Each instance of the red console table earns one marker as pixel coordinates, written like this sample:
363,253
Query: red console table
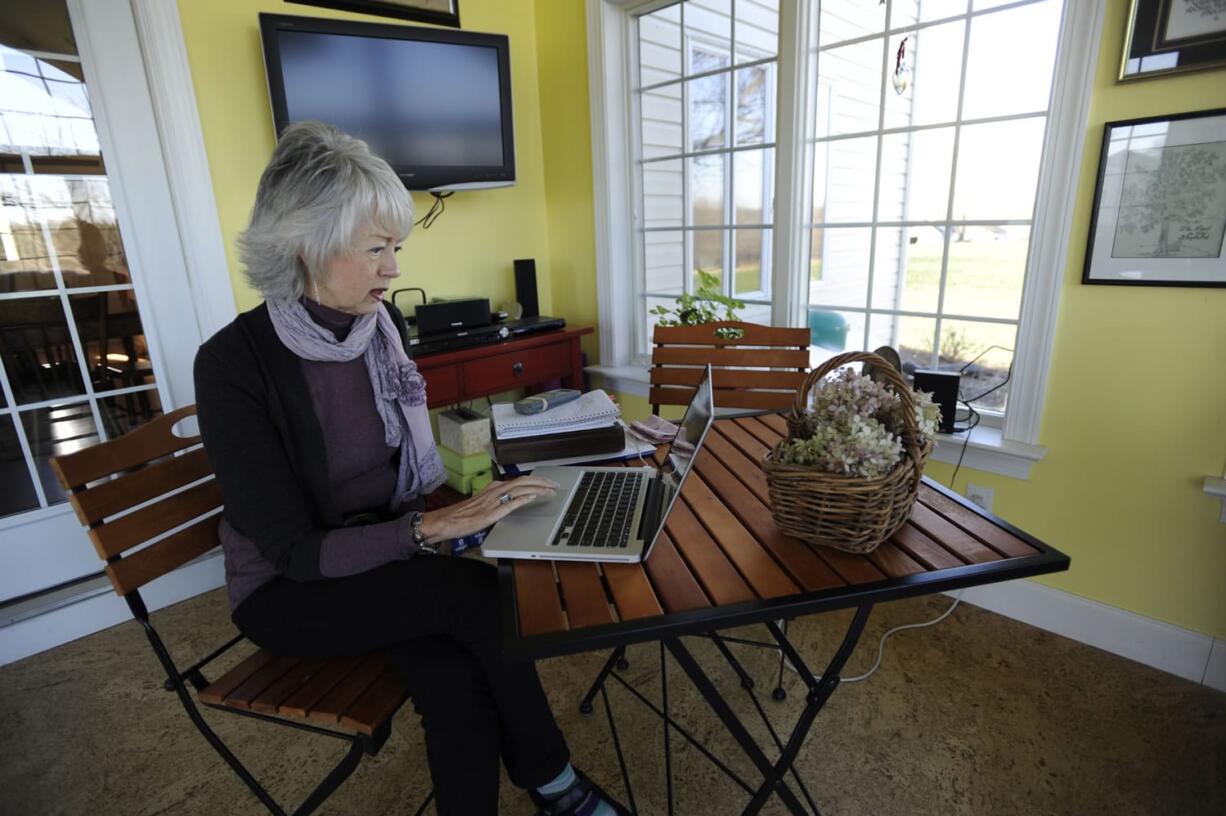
456,376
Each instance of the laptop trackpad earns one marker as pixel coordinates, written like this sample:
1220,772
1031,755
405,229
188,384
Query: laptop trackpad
552,506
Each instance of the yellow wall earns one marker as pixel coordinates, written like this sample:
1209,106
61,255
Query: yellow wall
470,249
1135,415
1136,408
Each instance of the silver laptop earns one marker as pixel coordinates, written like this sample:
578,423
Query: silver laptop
605,513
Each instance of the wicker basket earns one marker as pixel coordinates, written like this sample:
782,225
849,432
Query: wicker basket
850,513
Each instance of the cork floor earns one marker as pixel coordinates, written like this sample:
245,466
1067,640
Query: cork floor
977,715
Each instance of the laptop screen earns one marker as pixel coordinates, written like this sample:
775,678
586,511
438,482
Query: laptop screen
685,446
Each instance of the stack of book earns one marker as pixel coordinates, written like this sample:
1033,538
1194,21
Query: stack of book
587,426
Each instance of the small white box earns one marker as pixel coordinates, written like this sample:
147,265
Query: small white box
465,432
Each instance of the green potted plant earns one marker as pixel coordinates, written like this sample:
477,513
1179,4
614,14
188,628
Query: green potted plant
707,304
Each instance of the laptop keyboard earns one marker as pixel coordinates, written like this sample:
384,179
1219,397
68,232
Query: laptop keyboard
600,512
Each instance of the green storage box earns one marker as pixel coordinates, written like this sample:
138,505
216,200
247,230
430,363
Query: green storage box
469,483
464,465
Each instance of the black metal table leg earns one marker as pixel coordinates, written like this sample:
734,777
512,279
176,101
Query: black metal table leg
698,677
585,706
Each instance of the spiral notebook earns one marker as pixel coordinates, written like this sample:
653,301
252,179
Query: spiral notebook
592,410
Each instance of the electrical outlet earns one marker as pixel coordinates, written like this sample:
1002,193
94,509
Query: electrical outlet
981,495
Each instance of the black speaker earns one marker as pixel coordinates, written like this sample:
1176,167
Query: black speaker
525,287
452,315
943,385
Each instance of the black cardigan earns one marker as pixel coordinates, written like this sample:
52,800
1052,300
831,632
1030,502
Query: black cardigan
264,441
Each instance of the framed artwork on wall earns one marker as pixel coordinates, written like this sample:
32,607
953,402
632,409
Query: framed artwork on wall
1171,36
439,12
1159,215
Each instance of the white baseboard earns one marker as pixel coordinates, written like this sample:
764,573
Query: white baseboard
101,611
1172,649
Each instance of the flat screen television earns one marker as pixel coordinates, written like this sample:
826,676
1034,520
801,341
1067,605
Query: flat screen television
435,103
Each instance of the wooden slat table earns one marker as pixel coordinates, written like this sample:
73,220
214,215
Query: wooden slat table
722,562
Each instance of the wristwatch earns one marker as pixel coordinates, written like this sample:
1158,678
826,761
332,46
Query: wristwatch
419,537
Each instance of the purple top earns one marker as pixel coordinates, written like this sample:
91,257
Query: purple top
362,471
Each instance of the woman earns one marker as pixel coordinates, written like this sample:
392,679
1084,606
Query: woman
315,422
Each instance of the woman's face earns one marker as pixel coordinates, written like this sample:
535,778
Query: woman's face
356,282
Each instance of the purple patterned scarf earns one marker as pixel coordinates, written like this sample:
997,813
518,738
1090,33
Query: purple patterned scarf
400,391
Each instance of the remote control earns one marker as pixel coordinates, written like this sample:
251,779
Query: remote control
543,402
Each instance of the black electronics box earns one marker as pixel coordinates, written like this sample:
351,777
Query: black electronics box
452,315
943,386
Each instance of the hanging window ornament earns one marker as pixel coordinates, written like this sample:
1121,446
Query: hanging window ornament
902,71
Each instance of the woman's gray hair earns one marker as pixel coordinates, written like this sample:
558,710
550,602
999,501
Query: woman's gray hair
320,188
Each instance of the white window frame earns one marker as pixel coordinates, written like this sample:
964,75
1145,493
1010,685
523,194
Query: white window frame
1009,450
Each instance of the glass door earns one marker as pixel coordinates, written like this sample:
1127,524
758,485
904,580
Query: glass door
76,364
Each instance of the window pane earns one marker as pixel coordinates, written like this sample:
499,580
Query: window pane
753,119
934,59
708,111
663,193
847,19
833,332
86,233
660,45
707,189
664,262
910,336
986,268
854,74
962,341
709,22
998,169
915,174
907,268
45,113
708,258
753,183
752,253
757,29
25,264
840,169
1026,85
908,12
55,431
37,350
113,340
16,490
128,411
838,271
660,111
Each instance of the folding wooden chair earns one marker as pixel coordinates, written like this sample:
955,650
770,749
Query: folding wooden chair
760,369
151,487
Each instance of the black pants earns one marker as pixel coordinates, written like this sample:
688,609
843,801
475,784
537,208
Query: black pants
437,619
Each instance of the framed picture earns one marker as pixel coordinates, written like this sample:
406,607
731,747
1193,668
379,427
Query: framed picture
1170,36
439,12
1159,214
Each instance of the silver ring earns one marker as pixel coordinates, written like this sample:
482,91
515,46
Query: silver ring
504,498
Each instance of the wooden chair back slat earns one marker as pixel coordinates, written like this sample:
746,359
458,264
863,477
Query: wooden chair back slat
753,334
128,531
725,398
132,572
730,378
761,369
745,357
153,440
121,493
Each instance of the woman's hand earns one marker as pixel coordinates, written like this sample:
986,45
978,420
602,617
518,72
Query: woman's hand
484,508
